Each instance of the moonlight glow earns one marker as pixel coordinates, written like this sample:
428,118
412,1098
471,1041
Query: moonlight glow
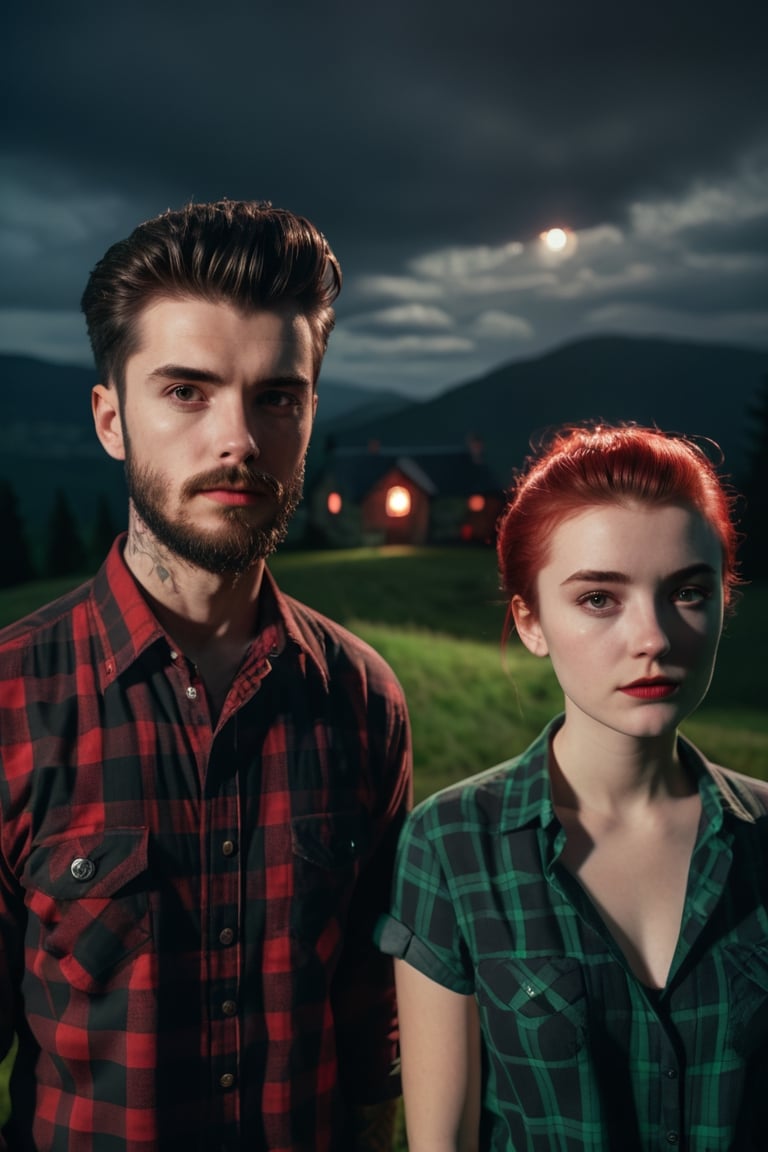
555,239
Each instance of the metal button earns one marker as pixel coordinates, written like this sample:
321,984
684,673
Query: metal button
226,936
229,1007
229,848
671,1073
227,1080
192,693
82,868
174,655
673,1137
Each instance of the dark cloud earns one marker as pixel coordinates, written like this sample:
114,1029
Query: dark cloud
404,130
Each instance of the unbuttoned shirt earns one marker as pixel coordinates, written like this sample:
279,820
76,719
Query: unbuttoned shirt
187,909
578,1054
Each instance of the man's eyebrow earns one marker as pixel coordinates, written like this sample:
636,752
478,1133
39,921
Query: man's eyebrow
597,576
207,376
182,372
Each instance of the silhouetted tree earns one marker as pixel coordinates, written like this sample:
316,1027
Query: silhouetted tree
104,532
65,554
754,551
15,559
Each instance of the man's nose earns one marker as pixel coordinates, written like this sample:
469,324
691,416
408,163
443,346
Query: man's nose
236,440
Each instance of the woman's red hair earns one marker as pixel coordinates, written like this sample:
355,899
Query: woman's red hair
587,466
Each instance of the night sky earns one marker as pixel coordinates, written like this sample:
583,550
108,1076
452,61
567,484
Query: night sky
433,142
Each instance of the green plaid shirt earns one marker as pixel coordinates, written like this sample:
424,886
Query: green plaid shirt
578,1054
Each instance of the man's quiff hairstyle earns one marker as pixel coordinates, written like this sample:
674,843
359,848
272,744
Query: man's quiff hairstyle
241,252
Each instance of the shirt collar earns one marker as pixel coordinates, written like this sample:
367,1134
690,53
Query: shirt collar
527,798
129,629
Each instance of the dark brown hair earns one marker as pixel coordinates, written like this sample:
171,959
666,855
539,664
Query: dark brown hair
242,252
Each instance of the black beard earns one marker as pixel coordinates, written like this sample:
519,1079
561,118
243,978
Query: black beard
240,544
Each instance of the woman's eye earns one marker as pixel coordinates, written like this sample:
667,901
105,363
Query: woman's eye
691,595
595,600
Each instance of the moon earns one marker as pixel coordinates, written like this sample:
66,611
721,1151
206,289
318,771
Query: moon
555,239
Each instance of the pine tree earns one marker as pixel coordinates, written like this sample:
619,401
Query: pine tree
754,551
15,560
65,554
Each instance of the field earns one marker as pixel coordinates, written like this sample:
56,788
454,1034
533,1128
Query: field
436,616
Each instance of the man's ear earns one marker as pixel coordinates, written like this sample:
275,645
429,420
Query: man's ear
106,417
528,627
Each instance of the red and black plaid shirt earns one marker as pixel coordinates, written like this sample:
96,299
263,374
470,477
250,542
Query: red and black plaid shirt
187,912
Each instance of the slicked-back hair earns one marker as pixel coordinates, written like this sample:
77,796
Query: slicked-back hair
241,252
592,466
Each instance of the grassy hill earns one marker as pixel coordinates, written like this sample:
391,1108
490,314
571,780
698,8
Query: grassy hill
437,617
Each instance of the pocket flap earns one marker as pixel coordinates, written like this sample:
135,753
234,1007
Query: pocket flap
330,840
88,864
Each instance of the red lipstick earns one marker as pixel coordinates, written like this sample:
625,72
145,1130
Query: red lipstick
655,688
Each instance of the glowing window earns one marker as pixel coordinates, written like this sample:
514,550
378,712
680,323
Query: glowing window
476,503
398,502
334,503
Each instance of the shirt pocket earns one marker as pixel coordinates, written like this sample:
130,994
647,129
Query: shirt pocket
535,1009
88,892
327,850
747,966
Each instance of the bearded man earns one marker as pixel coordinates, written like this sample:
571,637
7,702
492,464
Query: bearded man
201,780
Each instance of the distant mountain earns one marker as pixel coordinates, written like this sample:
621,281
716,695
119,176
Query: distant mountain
47,438
340,403
699,389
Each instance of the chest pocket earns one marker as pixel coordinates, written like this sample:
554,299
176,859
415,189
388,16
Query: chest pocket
748,991
535,1009
327,850
89,895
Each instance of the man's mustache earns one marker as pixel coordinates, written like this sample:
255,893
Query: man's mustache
240,477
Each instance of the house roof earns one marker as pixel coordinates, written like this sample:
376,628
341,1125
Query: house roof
448,472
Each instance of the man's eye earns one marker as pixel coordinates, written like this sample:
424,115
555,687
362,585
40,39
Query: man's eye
277,399
186,393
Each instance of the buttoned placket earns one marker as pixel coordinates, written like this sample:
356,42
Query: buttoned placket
220,893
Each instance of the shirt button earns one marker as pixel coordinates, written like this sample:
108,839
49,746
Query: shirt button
671,1073
226,936
229,848
192,693
82,868
229,1007
173,654
227,1080
672,1137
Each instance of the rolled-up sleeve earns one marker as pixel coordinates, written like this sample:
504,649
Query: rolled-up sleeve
423,926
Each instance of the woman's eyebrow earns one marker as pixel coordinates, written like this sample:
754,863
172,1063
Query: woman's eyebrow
598,576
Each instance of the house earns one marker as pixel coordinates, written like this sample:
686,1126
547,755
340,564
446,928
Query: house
404,495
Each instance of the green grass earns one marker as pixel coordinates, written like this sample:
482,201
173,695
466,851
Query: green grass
436,616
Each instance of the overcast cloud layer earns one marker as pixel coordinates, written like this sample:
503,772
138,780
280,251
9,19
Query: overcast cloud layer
431,141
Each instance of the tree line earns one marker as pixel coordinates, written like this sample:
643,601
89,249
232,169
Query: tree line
68,548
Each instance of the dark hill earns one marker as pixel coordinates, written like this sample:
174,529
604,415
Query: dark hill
699,389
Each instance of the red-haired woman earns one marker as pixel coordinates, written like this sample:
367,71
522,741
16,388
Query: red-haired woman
582,932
